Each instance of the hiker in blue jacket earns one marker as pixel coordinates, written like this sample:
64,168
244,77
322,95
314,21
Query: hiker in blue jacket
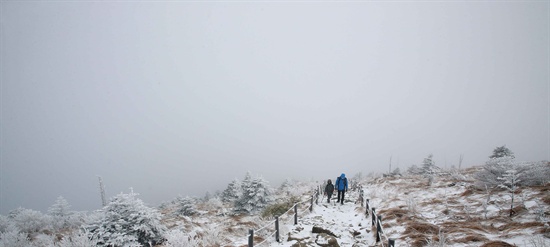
342,186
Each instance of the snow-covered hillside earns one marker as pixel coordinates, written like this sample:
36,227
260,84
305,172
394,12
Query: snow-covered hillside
447,210
450,212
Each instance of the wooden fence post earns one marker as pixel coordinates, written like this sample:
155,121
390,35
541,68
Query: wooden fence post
311,204
373,213
277,228
250,237
367,210
378,228
295,214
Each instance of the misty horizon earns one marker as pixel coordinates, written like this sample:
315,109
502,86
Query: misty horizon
180,98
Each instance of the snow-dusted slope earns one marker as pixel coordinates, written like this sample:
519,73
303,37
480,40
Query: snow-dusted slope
450,212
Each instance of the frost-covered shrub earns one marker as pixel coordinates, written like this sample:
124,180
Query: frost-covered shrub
30,221
455,174
76,238
414,170
256,195
185,206
14,238
215,204
42,240
294,188
127,221
5,223
509,182
537,173
492,170
530,174
278,209
177,238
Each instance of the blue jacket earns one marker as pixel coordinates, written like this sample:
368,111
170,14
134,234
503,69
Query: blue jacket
342,182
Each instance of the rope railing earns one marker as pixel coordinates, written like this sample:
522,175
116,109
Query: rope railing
377,221
314,197
267,238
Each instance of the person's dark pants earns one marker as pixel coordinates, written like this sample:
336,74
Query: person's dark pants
341,199
328,196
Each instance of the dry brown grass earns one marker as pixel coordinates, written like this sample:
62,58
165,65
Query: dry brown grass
452,201
514,226
466,227
247,223
497,244
433,201
471,238
421,227
418,242
414,240
467,192
393,213
546,198
258,239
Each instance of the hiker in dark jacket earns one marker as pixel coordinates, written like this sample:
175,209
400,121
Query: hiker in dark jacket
342,186
328,190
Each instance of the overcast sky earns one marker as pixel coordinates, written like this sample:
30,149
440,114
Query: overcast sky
179,98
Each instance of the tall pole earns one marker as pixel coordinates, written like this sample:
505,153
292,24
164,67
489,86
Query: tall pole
390,165
102,191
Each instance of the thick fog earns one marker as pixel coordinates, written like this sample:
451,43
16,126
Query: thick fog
179,98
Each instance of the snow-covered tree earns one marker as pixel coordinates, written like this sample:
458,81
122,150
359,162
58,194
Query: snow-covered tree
493,169
61,214
185,206
285,185
502,151
126,221
256,195
414,170
287,189
428,165
232,192
395,172
207,196
429,169
509,181
60,208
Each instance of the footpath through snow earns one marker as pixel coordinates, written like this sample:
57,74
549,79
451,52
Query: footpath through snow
348,224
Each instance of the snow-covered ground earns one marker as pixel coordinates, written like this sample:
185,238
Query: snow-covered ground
450,212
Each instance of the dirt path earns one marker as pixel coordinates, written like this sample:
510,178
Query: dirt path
348,223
